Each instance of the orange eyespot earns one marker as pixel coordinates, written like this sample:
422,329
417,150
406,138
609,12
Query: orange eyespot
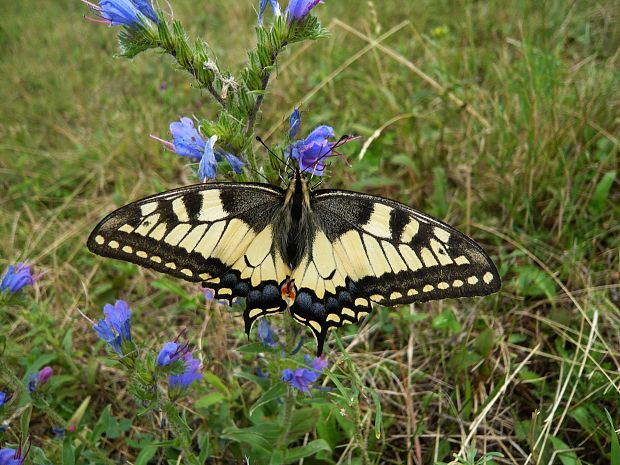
288,291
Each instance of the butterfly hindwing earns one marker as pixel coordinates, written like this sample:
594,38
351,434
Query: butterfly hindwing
367,248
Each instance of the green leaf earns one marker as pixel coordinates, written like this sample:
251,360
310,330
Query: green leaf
103,423
310,449
378,414
601,193
485,342
146,454
567,457
446,321
275,392
260,437
533,282
217,383
68,454
615,446
24,421
303,421
209,400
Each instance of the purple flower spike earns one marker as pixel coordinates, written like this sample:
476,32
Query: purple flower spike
299,9
127,13
115,328
262,5
313,150
17,278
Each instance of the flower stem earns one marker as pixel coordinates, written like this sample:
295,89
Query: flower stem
359,437
181,432
289,403
249,129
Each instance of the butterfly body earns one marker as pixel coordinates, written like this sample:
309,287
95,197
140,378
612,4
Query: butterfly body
323,255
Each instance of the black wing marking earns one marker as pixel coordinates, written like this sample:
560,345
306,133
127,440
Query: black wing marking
367,248
220,234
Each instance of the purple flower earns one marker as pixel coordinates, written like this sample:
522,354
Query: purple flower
294,123
123,12
262,5
187,142
265,333
15,457
302,378
45,374
10,457
299,9
179,383
210,296
171,352
208,163
16,278
311,152
4,398
39,379
115,328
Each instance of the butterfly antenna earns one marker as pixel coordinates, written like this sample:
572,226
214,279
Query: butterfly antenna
260,139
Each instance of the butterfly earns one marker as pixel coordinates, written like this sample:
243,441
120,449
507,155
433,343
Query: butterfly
322,255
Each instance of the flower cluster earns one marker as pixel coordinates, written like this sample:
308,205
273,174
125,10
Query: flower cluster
39,379
303,378
17,277
115,328
187,142
296,9
172,352
127,13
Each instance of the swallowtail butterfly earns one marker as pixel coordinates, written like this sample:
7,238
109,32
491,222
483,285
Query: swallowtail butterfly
323,255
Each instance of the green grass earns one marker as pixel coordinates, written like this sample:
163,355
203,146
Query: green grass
528,167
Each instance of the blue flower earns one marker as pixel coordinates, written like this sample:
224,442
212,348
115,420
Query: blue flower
302,378
208,163
311,152
294,123
262,5
299,9
16,278
187,142
4,398
115,328
124,12
265,333
179,383
15,457
171,352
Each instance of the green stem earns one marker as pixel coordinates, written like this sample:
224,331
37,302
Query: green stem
359,437
180,430
289,403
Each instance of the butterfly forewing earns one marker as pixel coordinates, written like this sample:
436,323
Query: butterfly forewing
370,248
218,234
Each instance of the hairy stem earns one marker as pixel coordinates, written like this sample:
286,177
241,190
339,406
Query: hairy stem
289,402
264,83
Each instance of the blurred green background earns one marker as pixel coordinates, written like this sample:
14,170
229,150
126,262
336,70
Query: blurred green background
499,117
